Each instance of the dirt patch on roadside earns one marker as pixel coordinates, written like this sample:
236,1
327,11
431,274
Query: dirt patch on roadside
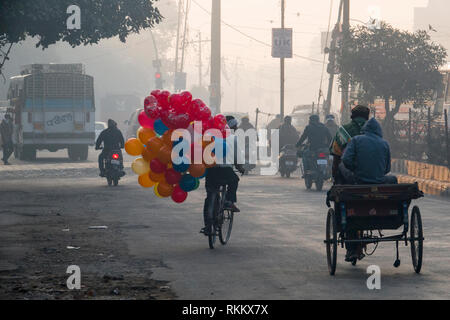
41,234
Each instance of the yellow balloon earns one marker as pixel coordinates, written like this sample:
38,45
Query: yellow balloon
155,189
134,147
140,166
145,181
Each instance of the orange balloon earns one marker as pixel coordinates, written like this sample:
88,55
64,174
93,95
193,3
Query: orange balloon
197,170
148,155
154,144
165,189
165,154
145,134
157,177
134,147
167,137
145,181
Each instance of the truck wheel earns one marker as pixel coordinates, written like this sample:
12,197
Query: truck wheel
28,153
73,153
83,152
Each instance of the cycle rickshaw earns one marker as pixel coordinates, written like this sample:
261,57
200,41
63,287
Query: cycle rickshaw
366,209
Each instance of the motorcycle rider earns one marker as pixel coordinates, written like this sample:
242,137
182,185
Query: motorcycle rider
288,133
224,174
112,139
330,123
318,137
246,125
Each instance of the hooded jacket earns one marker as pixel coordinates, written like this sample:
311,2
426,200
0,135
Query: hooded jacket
368,155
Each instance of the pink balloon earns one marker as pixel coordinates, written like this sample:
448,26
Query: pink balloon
145,121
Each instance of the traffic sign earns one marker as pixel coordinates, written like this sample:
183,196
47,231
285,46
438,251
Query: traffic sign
282,43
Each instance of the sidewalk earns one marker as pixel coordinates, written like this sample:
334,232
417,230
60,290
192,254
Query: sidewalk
432,179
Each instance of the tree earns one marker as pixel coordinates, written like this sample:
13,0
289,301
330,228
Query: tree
46,20
393,64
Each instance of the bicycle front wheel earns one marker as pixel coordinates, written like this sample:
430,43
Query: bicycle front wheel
213,206
226,224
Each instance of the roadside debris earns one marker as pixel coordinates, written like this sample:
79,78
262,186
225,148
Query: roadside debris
71,247
98,227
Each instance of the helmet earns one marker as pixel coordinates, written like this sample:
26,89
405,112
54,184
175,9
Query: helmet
314,118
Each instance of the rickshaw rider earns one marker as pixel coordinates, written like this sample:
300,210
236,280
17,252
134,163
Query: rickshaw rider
368,157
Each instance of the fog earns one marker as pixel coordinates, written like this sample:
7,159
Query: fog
250,76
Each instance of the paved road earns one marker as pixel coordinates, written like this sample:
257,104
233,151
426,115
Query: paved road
276,250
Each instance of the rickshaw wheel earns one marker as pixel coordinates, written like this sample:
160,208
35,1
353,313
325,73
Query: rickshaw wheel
416,245
331,241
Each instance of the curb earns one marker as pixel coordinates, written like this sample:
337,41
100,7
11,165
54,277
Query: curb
421,170
428,186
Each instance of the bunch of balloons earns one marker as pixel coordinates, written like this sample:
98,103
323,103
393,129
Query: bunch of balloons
163,113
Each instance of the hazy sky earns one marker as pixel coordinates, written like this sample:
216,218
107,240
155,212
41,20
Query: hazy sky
250,75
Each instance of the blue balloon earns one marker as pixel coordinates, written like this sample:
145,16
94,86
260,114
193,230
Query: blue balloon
188,183
183,166
160,127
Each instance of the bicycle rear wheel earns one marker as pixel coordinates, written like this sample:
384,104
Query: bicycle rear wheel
226,224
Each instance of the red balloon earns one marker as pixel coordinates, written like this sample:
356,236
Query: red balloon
220,121
172,176
155,93
150,101
145,121
181,121
157,166
153,112
199,110
163,99
178,195
186,97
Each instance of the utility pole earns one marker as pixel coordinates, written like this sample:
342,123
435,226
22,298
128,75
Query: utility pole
345,112
214,89
200,59
184,35
282,65
180,5
332,62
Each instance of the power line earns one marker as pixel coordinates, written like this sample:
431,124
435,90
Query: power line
251,37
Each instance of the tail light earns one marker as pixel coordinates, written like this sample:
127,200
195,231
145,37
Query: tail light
115,156
322,155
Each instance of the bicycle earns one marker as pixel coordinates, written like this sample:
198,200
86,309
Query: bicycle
219,218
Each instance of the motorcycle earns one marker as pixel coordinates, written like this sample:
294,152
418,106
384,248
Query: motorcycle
288,161
113,163
320,169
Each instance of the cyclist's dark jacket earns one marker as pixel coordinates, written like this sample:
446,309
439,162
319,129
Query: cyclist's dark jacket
112,139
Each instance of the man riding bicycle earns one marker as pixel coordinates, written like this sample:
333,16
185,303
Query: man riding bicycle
222,174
